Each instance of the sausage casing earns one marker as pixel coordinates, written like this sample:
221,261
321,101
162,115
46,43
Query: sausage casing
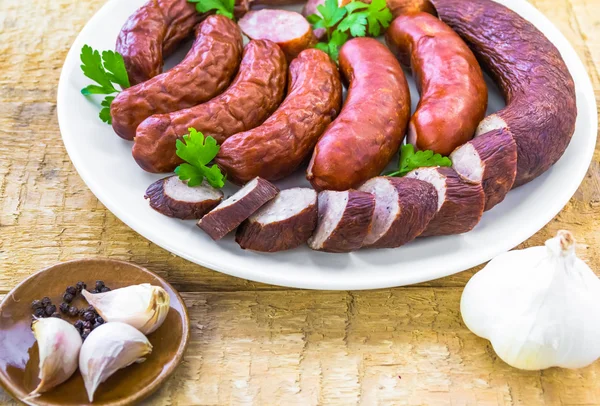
371,126
254,94
453,92
205,72
278,147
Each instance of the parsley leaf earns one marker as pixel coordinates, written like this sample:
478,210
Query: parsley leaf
356,23
115,65
198,151
105,112
378,16
331,13
337,40
409,160
223,7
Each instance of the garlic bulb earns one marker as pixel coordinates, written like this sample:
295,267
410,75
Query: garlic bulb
59,344
107,349
144,306
539,307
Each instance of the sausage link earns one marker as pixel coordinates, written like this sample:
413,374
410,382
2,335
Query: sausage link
369,130
278,147
453,92
152,33
254,94
206,70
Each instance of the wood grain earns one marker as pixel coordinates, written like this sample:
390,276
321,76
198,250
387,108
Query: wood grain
255,343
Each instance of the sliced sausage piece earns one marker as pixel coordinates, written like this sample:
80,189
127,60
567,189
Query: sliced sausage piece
278,147
371,126
284,223
254,94
205,72
174,198
541,109
453,93
403,209
460,203
152,33
344,220
233,211
490,160
288,29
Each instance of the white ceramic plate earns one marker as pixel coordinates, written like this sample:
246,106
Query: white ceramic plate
104,162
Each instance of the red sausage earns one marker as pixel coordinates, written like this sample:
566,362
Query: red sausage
453,92
370,128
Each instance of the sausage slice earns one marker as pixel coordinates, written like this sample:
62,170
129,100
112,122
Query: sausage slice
282,143
367,134
403,209
344,220
254,94
490,160
284,223
174,198
205,72
234,210
460,203
453,93
288,29
541,109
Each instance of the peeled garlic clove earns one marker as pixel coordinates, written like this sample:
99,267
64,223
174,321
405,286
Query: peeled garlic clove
539,307
107,349
59,344
144,306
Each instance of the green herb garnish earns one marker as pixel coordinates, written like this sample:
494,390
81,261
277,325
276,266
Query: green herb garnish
107,71
198,151
351,20
223,7
409,160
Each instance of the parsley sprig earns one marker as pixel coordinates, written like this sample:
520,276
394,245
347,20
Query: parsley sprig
107,71
198,151
409,160
223,7
355,19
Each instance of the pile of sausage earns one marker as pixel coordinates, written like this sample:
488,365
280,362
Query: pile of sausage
277,103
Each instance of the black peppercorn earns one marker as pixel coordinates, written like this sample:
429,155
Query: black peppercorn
96,325
80,286
82,311
73,311
99,320
39,312
88,316
99,285
105,289
86,333
67,297
64,307
78,325
57,315
94,292
46,301
72,290
87,324
36,304
50,309
90,308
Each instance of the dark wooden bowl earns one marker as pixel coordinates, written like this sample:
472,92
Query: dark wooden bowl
19,352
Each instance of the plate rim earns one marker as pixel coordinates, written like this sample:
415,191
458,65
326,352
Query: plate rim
282,279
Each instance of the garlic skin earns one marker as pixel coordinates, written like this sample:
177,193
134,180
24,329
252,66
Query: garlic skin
59,344
539,307
144,306
107,349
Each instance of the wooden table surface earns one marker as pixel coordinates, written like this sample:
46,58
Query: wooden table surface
254,343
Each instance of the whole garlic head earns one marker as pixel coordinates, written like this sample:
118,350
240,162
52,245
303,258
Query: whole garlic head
144,306
59,344
107,349
539,307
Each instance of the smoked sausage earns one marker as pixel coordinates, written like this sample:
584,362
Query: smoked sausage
453,92
254,94
371,126
205,72
278,147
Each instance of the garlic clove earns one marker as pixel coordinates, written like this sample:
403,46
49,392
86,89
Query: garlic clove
144,306
107,349
59,344
539,307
